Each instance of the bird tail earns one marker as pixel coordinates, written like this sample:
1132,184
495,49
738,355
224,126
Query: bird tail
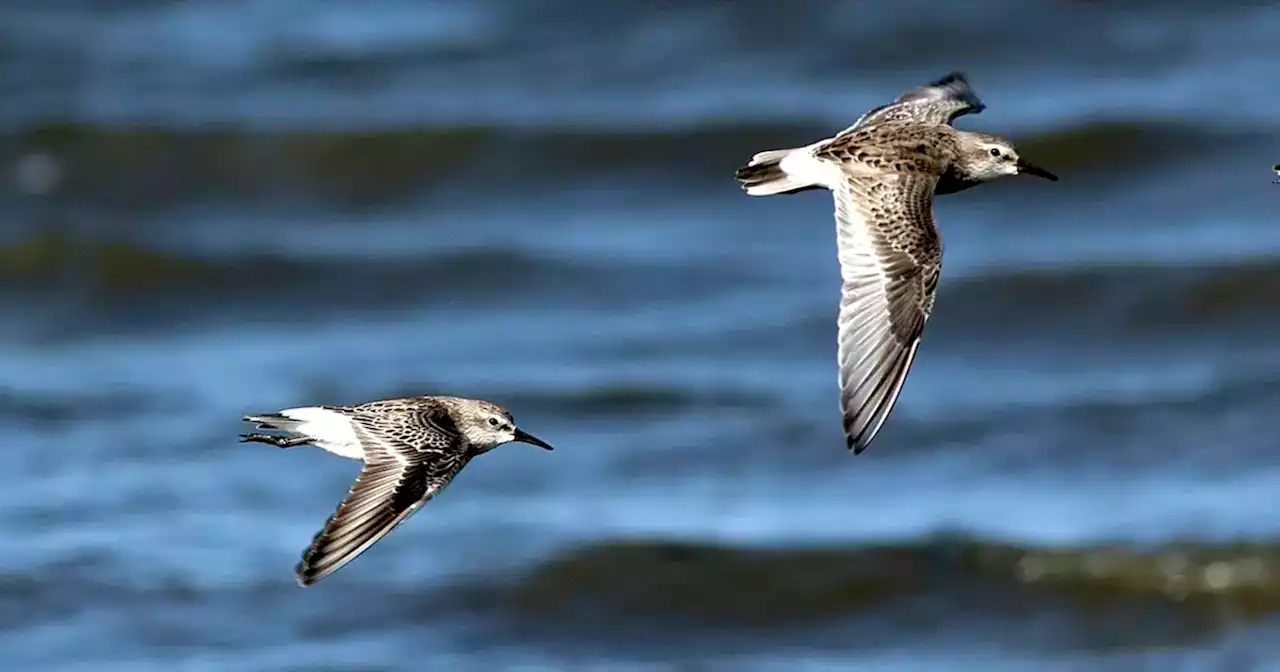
274,421
764,175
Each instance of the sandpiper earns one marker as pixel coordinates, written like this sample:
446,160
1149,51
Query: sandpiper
883,172
411,447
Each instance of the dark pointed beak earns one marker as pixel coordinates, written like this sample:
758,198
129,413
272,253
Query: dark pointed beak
525,437
1031,169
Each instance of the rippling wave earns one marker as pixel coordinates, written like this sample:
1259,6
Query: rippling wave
149,167
1139,299
211,208
116,275
779,587
704,587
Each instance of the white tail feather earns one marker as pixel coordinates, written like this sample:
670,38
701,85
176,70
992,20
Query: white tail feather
768,173
769,156
328,430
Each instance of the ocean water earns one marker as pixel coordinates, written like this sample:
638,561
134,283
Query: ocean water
212,208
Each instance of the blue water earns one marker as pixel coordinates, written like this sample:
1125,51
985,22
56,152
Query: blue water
218,208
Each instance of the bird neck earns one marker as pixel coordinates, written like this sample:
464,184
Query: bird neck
953,180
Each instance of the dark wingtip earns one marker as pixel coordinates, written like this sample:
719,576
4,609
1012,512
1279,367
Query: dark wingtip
304,576
855,443
950,78
958,86
757,173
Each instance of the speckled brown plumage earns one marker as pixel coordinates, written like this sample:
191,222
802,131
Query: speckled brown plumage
412,448
883,172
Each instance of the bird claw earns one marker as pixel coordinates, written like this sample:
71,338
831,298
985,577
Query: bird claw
277,441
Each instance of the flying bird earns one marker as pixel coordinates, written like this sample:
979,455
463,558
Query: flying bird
412,448
883,172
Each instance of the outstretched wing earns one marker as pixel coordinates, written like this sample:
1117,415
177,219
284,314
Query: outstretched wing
890,257
938,102
411,453
385,494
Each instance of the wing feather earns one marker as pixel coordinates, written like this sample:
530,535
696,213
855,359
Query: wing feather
385,493
411,453
890,256
938,102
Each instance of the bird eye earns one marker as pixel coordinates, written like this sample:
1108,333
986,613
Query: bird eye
493,422
995,151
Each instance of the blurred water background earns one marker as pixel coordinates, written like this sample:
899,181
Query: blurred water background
216,207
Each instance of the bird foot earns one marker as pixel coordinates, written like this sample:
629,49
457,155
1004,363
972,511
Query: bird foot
277,441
